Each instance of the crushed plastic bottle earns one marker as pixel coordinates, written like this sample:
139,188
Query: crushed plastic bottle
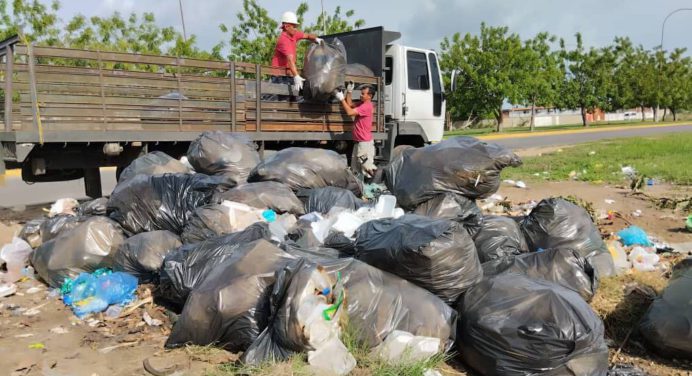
619,255
642,260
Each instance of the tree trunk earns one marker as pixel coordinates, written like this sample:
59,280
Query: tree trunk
655,114
675,114
665,112
499,120
533,116
449,121
583,117
643,114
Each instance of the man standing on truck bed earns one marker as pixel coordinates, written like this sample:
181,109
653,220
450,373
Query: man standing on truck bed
285,50
363,156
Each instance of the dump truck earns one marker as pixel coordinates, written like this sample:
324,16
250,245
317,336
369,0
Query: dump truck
68,112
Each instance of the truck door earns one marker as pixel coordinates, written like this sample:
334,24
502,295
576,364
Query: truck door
424,97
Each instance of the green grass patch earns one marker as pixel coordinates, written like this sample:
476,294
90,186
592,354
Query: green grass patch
667,157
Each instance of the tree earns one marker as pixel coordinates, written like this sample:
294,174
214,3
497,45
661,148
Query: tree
677,83
542,74
491,70
636,79
32,20
588,80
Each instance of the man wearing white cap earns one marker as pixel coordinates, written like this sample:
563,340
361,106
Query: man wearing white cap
285,51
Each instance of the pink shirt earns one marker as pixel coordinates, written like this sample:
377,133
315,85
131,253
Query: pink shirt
286,45
362,127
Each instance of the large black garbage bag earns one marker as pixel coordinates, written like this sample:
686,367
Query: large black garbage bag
307,168
564,267
462,165
267,194
31,232
667,324
356,69
223,153
499,237
324,70
154,163
206,222
51,228
322,200
142,255
558,223
515,325
149,203
454,207
231,307
87,247
91,208
436,254
188,266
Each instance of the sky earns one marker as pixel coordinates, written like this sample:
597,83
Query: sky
424,23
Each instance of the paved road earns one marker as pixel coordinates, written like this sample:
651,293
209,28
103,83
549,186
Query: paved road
529,141
14,192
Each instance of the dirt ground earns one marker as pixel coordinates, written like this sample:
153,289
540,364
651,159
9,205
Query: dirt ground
40,336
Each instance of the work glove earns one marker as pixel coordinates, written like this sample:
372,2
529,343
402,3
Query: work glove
339,95
298,83
319,40
350,86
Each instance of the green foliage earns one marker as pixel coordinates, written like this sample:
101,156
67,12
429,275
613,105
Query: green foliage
34,20
541,73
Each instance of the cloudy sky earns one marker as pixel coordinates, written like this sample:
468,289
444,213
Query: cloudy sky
423,23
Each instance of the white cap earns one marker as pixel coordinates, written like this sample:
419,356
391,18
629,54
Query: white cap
290,18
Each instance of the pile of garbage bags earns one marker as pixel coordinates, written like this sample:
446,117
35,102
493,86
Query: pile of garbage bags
324,70
285,255
154,163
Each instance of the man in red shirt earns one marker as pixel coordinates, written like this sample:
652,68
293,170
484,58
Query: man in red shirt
363,157
285,50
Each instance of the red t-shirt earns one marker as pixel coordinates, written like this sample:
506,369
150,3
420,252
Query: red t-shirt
286,45
362,127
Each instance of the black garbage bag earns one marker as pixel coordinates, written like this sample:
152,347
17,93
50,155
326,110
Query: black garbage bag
31,232
267,194
142,255
356,69
454,207
224,153
462,165
231,307
666,325
499,237
206,222
324,70
436,254
53,227
307,168
91,208
322,200
87,247
188,266
558,223
515,325
564,267
149,203
154,163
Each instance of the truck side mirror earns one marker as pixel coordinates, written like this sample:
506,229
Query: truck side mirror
453,81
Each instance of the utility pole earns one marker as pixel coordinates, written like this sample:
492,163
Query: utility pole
660,68
182,19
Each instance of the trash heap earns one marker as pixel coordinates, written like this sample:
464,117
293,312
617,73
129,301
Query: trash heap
289,257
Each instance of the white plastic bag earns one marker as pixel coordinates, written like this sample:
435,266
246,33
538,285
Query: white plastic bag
642,260
15,255
403,347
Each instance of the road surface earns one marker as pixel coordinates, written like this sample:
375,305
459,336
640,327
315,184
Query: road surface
15,193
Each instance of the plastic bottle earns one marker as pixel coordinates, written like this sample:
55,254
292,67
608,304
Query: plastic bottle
619,256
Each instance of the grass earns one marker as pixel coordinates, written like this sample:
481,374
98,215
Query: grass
664,157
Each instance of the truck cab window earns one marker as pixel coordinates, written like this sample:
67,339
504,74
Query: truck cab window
418,77
388,70
436,85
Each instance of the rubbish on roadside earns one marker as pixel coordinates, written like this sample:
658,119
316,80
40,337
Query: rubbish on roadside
637,213
31,232
59,330
149,203
224,153
322,200
620,258
220,219
154,163
91,208
186,163
37,346
520,184
280,227
592,153
642,260
563,267
609,201
558,223
404,348
436,254
15,257
33,290
231,306
324,69
666,325
186,267
53,227
626,370
114,311
266,194
64,206
7,289
512,324
454,207
307,168
34,310
90,293
629,171
688,223
88,247
25,335
347,223
634,235
462,165
150,321
499,237
142,255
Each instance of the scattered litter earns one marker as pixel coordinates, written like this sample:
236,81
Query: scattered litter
609,201
35,310
114,311
688,223
643,260
402,347
37,346
637,213
520,184
25,335
65,206
59,330
7,289
620,259
90,293
34,290
629,172
150,321
592,153
108,349
93,322
634,235
15,256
